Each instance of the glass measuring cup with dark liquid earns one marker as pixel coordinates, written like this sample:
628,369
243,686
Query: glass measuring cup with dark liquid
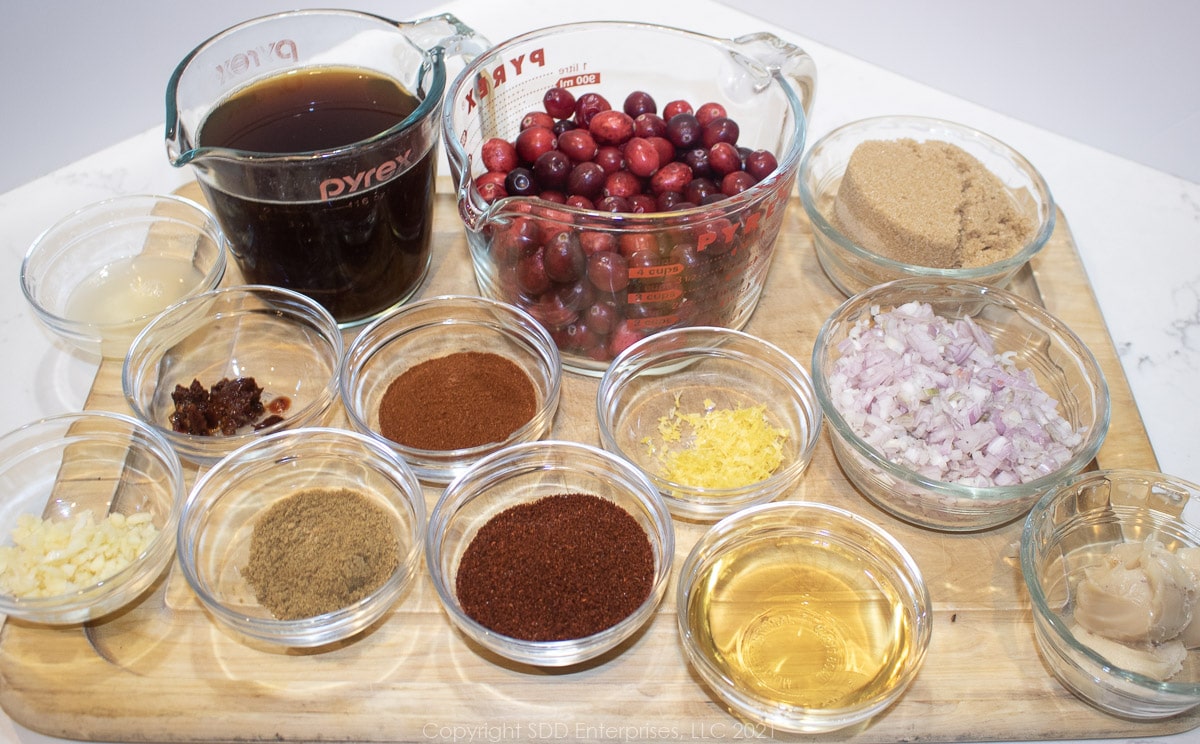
314,136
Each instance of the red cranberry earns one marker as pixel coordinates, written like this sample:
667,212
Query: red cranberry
578,144
641,157
519,182
667,200
612,204
490,186
587,106
683,130
608,271
643,204
499,155
564,259
587,180
721,129
633,243
581,202
666,151
611,127
639,102
557,197
671,177
602,316
676,107
709,111
534,141
622,183
736,182
597,241
537,119
649,125
723,158
623,336
761,164
559,103
531,273
698,188
697,159
563,125
610,158
551,170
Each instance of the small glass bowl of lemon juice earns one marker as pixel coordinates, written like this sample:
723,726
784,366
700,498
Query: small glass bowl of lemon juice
101,273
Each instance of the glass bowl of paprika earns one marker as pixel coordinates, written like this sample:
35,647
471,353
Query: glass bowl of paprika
575,541
450,379
304,537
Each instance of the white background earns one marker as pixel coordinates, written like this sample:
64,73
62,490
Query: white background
1120,75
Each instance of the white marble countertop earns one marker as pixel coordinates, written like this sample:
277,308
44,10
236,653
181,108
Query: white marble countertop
1137,229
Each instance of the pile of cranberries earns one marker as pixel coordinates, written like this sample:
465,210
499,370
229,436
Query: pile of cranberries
598,286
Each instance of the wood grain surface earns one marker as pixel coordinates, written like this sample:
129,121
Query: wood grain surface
162,670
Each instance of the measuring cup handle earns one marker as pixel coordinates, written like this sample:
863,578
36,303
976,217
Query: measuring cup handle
785,58
446,31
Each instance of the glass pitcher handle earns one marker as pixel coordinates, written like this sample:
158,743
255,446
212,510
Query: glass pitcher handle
446,31
782,57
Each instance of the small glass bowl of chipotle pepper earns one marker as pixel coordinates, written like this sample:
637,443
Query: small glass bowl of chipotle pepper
216,371
450,379
550,553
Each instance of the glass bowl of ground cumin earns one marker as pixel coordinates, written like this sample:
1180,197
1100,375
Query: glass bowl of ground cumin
955,405
450,379
718,419
304,537
899,196
218,370
550,553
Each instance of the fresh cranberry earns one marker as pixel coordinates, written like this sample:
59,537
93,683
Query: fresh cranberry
641,157
519,182
698,188
551,170
537,119
597,241
559,103
683,130
610,158
490,186
587,106
666,151
622,183
676,107
623,336
608,271
709,111
721,129
671,177
736,182
760,164
580,202
723,158
499,155
564,259
633,243
639,102
563,125
667,200
587,180
649,125
612,204
697,159
578,144
611,127
531,273
643,204
602,316
534,141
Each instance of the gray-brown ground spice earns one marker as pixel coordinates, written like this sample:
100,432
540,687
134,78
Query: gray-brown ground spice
561,567
320,550
928,203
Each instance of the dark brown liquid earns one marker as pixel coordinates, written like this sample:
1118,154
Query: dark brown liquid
357,253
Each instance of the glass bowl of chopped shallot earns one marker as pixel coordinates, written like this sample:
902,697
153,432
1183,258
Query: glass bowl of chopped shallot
218,370
954,405
88,520
1111,560
717,418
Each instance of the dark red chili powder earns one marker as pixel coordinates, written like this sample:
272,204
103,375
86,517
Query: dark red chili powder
464,399
561,567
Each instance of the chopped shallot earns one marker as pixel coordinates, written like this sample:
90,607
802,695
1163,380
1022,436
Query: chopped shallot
930,394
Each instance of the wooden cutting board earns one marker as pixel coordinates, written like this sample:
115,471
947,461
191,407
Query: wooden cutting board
163,671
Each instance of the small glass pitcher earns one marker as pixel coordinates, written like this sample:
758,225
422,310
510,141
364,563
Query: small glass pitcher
347,223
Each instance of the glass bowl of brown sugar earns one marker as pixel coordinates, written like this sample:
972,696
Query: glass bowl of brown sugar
303,538
903,196
550,553
223,368
450,379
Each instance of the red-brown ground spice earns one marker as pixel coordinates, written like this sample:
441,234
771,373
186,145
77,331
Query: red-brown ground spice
561,567
464,399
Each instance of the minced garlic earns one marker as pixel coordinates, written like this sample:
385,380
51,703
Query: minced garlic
726,447
48,558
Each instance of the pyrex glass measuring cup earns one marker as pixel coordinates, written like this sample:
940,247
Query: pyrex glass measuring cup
703,265
338,208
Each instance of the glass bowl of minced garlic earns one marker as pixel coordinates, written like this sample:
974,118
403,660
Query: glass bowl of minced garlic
718,419
903,196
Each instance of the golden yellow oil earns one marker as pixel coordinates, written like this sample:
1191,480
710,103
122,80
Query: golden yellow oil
802,622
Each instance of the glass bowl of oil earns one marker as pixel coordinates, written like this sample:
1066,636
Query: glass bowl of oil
803,616
99,275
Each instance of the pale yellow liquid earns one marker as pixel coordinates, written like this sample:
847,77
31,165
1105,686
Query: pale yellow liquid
802,624
130,288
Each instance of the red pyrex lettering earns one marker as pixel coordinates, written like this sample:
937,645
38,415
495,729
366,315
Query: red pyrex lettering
485,84
346,185
729,231
240,63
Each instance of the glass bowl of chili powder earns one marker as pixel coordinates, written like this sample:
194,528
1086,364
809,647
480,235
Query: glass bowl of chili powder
550,553
450,379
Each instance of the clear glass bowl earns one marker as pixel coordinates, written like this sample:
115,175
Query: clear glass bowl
524,473
1034,339
1073,527
101,273
706,370
803,616
57,468
853,267
287,342
221,511
434,328
700,266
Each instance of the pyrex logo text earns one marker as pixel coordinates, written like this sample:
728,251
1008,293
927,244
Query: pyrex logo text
346,185
240,63
499,76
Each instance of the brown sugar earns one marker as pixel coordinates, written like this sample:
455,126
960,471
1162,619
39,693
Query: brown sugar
927,203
